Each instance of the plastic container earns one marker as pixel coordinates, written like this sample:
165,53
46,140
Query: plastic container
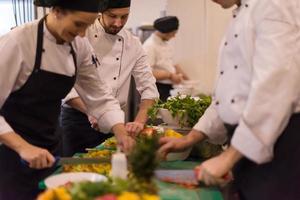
119,165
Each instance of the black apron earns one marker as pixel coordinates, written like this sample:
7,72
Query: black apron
164,90
32,112
77,133
275,180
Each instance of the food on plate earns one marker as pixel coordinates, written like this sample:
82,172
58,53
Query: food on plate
172,133
60,193
139,186
110,143
113,189
103,168
107,197
148,131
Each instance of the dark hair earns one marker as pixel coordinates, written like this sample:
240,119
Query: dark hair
166,24
79,5
45,3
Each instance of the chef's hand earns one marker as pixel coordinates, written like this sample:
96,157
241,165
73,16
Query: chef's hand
217,170
94,123
176,78
124,140
37,157
169,144
126,143
134,128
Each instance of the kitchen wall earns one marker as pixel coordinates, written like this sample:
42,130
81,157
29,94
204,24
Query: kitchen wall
145,12
202,25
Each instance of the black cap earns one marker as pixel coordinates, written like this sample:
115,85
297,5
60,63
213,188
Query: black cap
118,4
166,24
79,5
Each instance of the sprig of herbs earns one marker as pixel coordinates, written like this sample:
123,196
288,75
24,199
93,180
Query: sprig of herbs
182,106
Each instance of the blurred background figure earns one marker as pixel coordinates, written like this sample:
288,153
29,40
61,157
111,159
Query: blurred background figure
160,56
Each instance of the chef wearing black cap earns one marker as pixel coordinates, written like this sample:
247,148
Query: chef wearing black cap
121,56
40,63
160,55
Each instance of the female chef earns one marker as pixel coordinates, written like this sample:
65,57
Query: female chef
41,61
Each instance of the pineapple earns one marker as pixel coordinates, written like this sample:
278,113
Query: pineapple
143,161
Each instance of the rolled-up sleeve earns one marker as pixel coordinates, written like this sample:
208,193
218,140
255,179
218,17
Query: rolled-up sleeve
145,81
212,126
96,94
274,88
10,65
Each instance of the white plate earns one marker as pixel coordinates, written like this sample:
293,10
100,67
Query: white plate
63,178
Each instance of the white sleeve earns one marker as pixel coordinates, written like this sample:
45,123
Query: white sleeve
150,51
274,88
144,79
10,65
212,126
96,94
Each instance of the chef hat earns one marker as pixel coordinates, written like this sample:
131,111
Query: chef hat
118,4
166,24
79,5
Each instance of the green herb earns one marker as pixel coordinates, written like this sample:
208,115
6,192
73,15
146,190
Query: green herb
182,107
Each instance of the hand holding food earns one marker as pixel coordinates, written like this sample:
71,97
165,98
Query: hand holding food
134,128
215,171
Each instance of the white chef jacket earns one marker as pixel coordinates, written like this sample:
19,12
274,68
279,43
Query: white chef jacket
259,78
17,49
160,55
121,56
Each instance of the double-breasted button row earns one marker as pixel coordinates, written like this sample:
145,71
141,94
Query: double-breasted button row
235,67
231,101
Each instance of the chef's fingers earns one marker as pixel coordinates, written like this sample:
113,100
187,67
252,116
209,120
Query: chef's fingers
127,144
134,128
211,180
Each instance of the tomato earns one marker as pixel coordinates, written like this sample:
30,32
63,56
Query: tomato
148,131
107,197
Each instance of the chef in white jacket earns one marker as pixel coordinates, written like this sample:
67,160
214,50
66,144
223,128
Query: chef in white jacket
40,63
120,55
256,103
160,54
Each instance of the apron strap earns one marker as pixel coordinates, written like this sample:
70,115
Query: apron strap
74,58
39,45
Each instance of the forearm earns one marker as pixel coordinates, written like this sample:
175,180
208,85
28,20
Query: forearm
77,104
142,116
161,74
232,156
119,130
13,141
180,71
194,137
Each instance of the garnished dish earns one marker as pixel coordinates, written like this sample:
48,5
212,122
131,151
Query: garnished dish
139,185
